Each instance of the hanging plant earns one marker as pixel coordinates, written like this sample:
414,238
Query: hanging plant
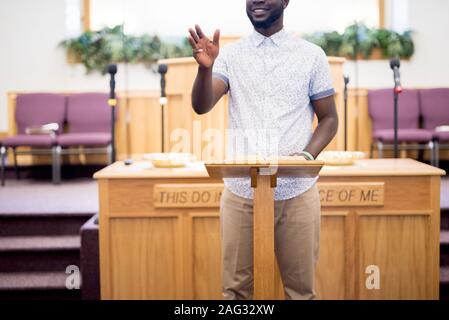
359,40
97,49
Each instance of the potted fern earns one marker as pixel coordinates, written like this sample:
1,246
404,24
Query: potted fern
97,49
361,42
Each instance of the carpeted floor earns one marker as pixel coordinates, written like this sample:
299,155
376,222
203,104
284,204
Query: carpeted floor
28,195
40,231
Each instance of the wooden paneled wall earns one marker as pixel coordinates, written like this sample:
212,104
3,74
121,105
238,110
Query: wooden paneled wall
139,123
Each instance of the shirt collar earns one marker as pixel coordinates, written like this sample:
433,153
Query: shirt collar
277,38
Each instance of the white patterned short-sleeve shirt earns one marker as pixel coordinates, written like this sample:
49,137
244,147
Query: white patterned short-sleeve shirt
271,82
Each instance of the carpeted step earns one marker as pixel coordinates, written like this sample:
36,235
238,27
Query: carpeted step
11,281
444,237
444,201
33,224
444,248
36,285
444,219
444,283
39,243
39,253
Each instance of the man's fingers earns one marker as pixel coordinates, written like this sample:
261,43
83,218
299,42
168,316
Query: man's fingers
194,46
194,35
199,31
192,42
217,37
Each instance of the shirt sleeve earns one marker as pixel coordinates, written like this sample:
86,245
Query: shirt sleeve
220,69
321,80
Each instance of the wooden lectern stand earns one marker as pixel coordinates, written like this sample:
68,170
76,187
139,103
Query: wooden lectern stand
263,176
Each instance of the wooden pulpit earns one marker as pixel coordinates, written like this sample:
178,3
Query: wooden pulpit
264,174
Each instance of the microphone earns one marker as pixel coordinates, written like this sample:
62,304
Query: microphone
162,70
395,64
346,81
112,70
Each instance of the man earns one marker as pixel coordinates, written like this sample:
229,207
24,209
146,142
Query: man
275,83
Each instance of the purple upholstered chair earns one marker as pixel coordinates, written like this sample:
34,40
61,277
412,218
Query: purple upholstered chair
435,112
36,109
89,125
381,110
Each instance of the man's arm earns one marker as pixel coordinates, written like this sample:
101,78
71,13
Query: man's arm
206,90
327,125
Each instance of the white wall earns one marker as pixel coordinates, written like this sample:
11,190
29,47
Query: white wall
429,66
30,61
174,17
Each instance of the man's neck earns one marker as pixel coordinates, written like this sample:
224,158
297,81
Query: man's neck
274,28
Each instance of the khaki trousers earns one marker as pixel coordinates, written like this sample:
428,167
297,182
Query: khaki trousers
297,233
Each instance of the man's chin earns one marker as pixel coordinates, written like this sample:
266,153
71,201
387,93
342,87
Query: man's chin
265,24
258,24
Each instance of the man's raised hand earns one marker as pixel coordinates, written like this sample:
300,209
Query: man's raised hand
205,51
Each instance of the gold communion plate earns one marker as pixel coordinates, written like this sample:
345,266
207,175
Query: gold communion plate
169,160
340,158
168,164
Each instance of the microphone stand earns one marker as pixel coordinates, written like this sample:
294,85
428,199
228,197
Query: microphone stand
126,83
396,105
112,70
395,64
345,96
162,69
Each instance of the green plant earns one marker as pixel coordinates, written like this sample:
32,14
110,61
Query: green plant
331,42
394,44
97,49
358,39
